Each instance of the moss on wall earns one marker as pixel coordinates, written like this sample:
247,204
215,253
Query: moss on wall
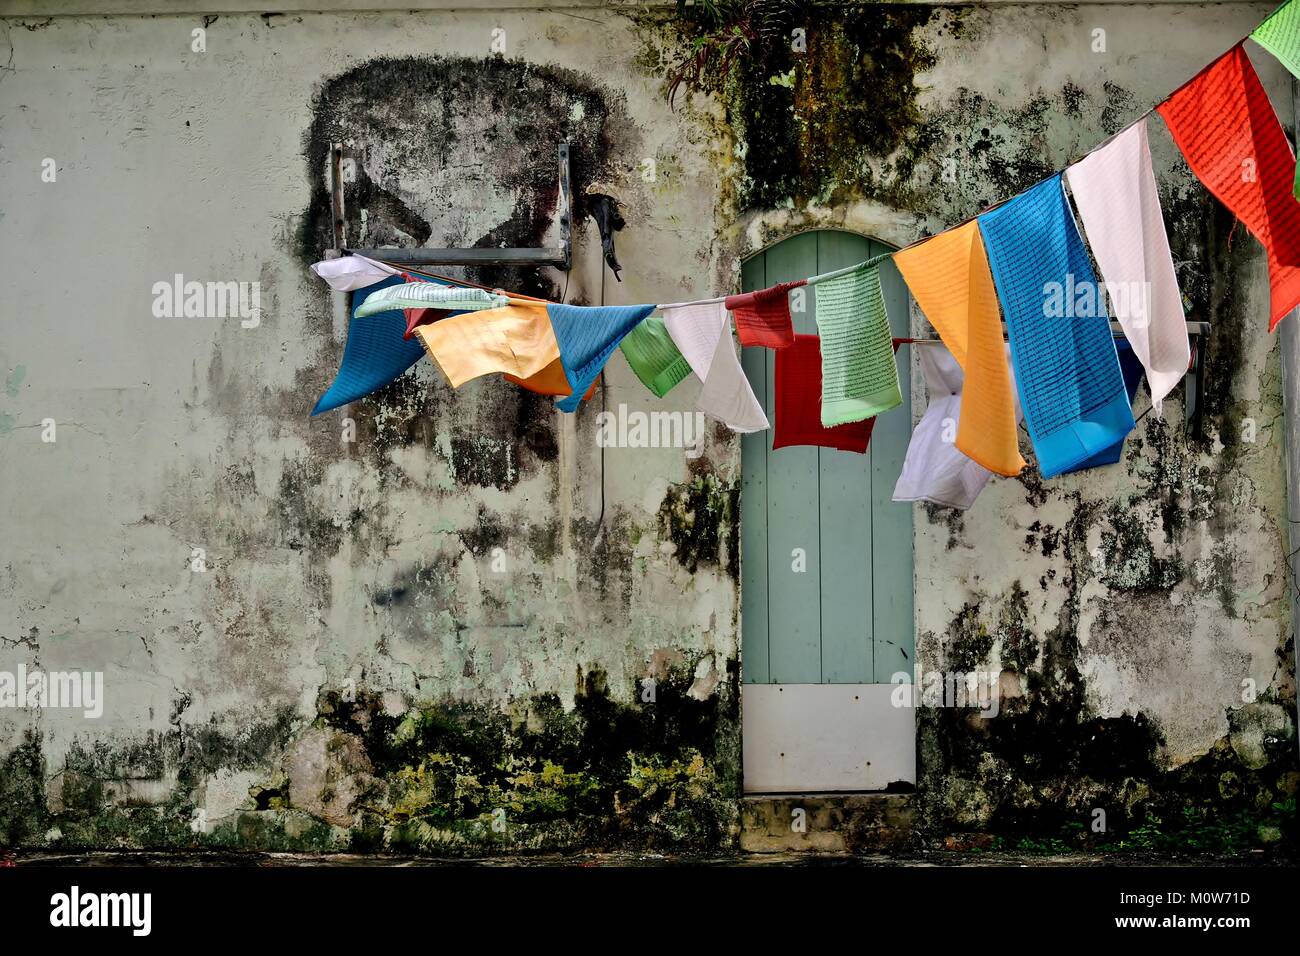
445,777
22,793
696,517
814,95
1038,774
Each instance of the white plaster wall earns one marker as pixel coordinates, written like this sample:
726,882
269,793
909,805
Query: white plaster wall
1177,657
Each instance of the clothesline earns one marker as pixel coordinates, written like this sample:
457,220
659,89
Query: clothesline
715,300
1011,290
1146,114
1193,328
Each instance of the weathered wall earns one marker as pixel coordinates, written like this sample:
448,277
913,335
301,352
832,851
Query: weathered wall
479,678
1138,614
359,665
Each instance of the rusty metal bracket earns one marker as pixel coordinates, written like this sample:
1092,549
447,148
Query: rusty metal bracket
559,257
338,222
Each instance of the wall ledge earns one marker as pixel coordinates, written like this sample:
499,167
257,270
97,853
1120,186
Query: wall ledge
101,8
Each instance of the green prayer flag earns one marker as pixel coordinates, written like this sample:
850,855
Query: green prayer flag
859,374
1280,35
658,363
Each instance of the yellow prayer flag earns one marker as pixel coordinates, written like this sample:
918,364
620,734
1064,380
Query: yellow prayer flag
515,339
950,279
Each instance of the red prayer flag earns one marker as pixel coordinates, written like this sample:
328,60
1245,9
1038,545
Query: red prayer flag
763,317
1225,126
799,402
418,317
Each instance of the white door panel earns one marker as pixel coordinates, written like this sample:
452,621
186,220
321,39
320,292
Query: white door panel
813,738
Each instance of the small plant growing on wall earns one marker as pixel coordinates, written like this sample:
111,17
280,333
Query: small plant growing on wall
721,31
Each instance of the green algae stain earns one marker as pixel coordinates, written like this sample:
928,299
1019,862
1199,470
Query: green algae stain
460,776
15,380
1129,560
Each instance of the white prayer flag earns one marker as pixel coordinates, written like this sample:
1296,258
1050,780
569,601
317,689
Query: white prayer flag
702,333
1115,190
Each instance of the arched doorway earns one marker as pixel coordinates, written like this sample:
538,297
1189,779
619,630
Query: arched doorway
826,582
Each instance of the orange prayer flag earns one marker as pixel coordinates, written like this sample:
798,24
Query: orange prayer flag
950,279
515,339
549,381
1225,126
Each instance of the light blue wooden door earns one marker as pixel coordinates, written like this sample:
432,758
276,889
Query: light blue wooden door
826,556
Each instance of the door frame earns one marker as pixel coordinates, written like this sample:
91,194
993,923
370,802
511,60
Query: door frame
850,720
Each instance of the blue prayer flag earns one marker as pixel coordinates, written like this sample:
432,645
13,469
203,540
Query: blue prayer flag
1067,369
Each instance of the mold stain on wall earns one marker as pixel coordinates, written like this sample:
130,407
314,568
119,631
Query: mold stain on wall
788,77
1139,574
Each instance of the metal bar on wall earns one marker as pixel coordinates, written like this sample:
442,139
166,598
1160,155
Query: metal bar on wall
468,257
338,219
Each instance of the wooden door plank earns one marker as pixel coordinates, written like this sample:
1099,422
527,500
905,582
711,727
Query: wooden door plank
794,545
846,526
754,589
892,574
